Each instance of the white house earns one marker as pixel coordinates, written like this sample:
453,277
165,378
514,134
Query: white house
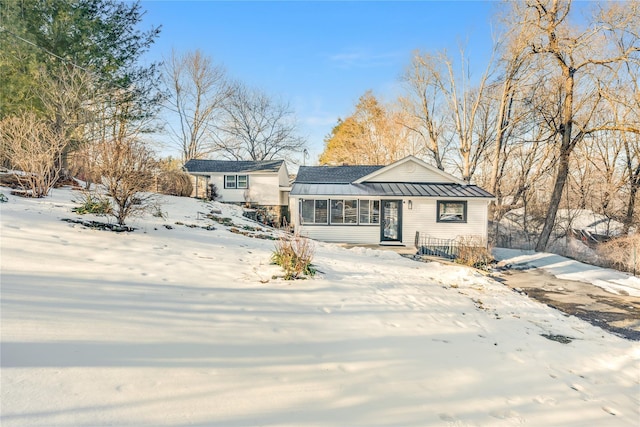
253,183
386,204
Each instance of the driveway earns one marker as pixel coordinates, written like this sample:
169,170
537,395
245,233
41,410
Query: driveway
616,313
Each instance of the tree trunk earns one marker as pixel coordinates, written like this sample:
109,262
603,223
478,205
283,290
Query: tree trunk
635,186
554,203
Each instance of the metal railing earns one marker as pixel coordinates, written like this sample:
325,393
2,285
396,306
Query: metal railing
444,248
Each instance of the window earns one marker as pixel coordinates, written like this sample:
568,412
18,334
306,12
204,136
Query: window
243,181
344,211
313,211
369,211
454,211
229,181
236,181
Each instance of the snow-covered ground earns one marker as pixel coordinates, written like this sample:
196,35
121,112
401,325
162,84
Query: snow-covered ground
568,269
187,326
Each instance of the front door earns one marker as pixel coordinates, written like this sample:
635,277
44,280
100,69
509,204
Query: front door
391,221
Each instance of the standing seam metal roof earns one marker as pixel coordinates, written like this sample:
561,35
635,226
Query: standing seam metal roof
389,189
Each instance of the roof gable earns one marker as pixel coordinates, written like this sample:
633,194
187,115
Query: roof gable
231,166
409,169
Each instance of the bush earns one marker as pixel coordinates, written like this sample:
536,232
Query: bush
175,183
622,253
294,255
93,204
473,251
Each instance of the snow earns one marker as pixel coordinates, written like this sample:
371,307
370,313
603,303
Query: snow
187,326
567,269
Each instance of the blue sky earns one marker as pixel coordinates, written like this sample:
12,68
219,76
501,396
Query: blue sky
321,56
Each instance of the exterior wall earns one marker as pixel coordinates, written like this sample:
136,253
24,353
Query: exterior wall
421,218
263,189
409,172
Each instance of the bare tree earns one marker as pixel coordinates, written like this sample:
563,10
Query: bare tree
443,102
423,105
570,52
35,149
198,88
257,127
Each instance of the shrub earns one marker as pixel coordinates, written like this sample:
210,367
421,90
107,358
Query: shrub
622,253
294,255
175,183
473,251
93,204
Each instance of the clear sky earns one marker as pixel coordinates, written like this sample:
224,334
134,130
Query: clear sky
321,56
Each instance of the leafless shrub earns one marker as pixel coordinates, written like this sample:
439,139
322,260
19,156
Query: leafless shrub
34,148
174,183
126,168
473,251
622,253
294,255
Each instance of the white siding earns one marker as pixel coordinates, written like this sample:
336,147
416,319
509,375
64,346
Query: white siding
409,171
264,189
421,218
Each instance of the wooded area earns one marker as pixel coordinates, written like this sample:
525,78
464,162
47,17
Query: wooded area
553,121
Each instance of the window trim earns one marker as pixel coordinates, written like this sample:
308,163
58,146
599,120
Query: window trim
343,201
302,218
246,177
370,202
226,182
454,221
305,221
235,180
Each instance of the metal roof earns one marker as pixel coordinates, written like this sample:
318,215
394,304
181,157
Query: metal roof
412,189
333,174
204,166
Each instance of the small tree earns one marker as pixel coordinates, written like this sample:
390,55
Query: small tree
35,148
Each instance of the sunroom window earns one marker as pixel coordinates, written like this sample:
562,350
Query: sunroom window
344,211
369,211
313,211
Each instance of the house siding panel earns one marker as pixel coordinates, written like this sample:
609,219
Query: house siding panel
263,189
423,218
409,172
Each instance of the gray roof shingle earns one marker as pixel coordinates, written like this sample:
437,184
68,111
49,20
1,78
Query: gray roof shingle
232,166
333,174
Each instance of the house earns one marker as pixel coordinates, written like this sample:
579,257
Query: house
263,184
386,204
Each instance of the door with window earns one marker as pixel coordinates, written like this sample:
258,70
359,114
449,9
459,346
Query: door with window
391,221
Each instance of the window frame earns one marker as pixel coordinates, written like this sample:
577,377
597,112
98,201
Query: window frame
246,184
234,182
370,213
226,182
303,220
343,203
442,204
